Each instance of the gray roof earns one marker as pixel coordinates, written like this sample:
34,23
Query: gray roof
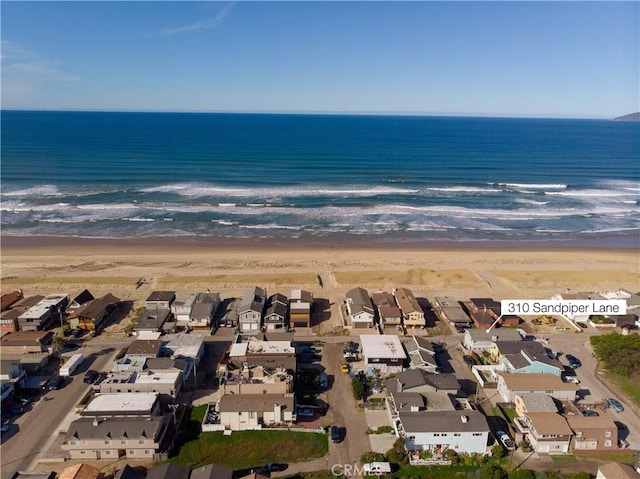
360,300
168,471
502,334
254,402
444,421
537,402
424,344
212,471
202,311
417,377
96,307
253,300
276,312
278,298
161,296
117,427
128,472
404,401
144,347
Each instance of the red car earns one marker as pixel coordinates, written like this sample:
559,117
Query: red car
582,325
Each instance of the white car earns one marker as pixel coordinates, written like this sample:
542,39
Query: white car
572,379
506,440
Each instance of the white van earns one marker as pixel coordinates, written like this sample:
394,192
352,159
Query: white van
377,468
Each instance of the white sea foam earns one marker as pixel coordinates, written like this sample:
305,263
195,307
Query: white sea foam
530,202
462,189
534,186
138,219
36,191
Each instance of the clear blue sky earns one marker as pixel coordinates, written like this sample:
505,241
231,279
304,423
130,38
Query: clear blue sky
505,58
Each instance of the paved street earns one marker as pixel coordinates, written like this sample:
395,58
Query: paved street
39,426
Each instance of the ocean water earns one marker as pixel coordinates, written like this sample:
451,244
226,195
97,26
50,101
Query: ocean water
320,178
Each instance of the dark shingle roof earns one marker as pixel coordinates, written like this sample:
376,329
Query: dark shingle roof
168,471
116,427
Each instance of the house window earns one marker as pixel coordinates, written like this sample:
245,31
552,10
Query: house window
607,434
82,451
141,441
107,442
477,434
124,441
456,434
131,452
578,433
73,443
146,451
108,453
252,415
607,443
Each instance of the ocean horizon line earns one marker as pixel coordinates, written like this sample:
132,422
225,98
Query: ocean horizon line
365,113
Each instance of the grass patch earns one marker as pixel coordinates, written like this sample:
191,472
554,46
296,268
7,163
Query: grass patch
631,386
510,413
247,449
434,472
563,458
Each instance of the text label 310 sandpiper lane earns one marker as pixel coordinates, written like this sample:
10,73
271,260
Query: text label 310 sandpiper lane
565,307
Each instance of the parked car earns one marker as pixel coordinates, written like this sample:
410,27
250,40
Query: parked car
335,434
572,379
90,376
56,383
305,411
344,367
582,325
269,468
589,413
469,360
506,440
615,404
573,361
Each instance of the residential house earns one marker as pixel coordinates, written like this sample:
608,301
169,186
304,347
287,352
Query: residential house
26,342
616,470
383,353
160,300
123,405
112,438
11,370
422,353
416,390
229,313
479,340
300,308
389,314
9,299
167,383
593,433
448,309
9,318
128,472
212,471
84,297
465,432
252,411
485,312
360,308
547,432
251,308
251,379
168,471
154,319
534,402
273,355
578,317
203,310
510,385
93,314
47,312
181,307
412,313
276,314
524,357
80,471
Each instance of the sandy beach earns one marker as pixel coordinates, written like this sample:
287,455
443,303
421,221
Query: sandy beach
40,266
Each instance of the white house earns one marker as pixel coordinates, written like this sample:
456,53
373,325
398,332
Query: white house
251,308
412,313
512,385
465,431
181,307
252,411
360,308
547,432
383,352
478,340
